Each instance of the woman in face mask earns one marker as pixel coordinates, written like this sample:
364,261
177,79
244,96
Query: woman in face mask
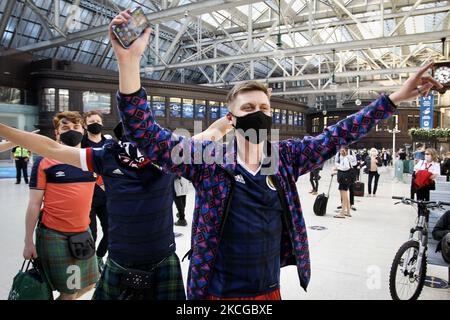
432,165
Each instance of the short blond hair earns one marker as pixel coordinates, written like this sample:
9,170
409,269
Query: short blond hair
373,151
247,86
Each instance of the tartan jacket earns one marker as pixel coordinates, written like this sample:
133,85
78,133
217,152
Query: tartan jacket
214,182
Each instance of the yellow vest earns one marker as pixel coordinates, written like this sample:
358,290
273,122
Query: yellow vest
21,153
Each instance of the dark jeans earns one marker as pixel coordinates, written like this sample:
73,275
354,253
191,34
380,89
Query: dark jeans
413,190
385,163
314,179
102,214
351,190
21,166
377,176
180,202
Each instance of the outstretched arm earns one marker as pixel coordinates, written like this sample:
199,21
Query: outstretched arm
307,153
6,145
42,145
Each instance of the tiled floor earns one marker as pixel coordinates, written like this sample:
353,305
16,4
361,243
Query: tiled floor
351,259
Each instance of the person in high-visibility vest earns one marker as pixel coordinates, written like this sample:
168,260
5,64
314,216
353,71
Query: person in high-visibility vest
21,156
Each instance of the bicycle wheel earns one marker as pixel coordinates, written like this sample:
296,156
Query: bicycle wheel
406,280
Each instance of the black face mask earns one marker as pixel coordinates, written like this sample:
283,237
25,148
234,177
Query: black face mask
256,121
71,138
94,128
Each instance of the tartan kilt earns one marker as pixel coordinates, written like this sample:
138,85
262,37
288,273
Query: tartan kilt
166,277
58,265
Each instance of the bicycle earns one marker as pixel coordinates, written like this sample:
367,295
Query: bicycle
410,268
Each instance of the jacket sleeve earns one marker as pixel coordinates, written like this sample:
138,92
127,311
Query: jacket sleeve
174,153
303,154
442,227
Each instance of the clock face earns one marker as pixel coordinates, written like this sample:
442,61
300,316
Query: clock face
442,74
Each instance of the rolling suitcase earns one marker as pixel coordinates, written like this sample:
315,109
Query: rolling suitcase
358,189
320,204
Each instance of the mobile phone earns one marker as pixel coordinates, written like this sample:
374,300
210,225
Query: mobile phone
127,33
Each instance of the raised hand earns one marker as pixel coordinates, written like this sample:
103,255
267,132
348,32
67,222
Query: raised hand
137,48
417,85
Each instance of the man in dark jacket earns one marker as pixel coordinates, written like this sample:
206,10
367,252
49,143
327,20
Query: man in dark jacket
441,232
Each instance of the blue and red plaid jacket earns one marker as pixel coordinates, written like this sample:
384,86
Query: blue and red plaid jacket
214,182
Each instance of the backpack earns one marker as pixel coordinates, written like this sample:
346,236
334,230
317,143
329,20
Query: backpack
422,178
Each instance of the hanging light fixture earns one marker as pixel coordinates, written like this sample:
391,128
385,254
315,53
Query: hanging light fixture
333,76
279,44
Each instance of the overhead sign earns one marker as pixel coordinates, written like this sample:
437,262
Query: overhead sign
426,112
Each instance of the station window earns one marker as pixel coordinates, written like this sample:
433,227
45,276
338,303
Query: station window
277,116
214,110
175,107
188,108
413,121
290,118
48,99
99,101
301,119
159,106
315,125
200,109
283,116
332,120
10,95
295,120
63,97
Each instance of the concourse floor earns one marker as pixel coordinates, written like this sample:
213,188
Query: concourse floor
350,258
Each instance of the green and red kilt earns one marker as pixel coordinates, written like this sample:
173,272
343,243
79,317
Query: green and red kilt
58,265
166,277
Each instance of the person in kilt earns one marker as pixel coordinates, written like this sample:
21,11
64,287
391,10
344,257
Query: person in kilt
139,204
60,198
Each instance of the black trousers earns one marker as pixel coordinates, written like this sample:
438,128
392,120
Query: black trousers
423,194
314,179
21,167
351,189
180,202
373,174
413,190
99,210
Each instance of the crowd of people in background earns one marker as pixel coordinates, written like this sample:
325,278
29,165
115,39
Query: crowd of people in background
247,221
348,164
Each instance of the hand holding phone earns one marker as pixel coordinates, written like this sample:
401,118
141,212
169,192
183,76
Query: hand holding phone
127,33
